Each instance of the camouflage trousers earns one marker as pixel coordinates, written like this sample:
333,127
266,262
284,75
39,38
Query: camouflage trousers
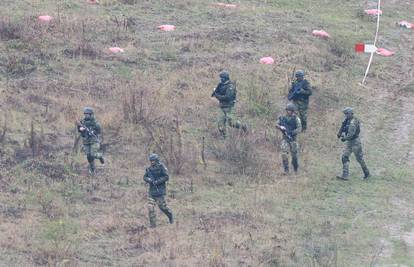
303,113
355,147
92,152
162,205
291,147
228,118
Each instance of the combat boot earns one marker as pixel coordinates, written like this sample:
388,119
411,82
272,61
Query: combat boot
244,128
345,171
152,220
366,174
364,169
295,165
222,133
285,166
170,217
342,177
91,168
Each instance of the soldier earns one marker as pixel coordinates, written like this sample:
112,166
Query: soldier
291,126
299,94
349,133
90,131
225,92
156,176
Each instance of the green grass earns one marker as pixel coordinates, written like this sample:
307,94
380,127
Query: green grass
223,218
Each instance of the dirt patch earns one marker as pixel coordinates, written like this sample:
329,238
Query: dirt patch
407,128
409,241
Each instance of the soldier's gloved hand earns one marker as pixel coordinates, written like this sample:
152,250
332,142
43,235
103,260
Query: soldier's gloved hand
339,135
283,128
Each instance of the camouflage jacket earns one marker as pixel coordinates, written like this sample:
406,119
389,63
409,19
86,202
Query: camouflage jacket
350,129
156,176
292,124
225,94
300,91
93,135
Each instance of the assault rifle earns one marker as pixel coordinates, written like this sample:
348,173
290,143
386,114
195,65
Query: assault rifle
153,182
90,132
214,92
343,130
285,133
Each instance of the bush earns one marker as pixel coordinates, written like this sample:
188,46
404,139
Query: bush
240,154
9,31
58,242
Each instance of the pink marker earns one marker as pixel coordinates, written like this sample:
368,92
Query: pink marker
405,24
384,52
166,28
225,5
116,50
373,12
320,33
267,60
45,18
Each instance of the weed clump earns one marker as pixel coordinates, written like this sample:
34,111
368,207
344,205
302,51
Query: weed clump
9,31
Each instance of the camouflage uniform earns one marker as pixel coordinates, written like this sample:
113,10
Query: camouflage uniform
349,133
225,92
289,144
91,139
299,94
156,176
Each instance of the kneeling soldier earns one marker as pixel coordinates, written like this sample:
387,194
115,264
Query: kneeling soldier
156,176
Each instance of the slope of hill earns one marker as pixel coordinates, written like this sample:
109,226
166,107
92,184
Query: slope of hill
234,208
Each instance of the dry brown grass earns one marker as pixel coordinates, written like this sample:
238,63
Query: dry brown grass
232,207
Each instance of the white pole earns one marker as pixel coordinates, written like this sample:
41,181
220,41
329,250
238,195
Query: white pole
375,41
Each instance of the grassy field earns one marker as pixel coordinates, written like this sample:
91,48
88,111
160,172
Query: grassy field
234,209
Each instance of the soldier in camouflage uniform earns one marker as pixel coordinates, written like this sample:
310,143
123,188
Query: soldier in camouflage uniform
225,93
156,176
299,94
90,131
291,126
349,133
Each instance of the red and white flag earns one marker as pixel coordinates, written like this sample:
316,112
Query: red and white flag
365,48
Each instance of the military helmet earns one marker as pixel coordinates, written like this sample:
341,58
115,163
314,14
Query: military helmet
154,157
348,110
300,73
88,110
291,107
225,75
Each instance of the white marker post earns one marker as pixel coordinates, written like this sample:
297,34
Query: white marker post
375,42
